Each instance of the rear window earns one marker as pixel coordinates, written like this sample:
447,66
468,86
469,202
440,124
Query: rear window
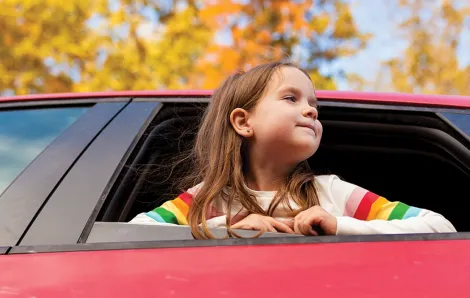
461,121
24,134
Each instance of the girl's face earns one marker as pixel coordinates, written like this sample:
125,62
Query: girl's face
285,120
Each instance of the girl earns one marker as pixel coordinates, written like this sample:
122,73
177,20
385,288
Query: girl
251,169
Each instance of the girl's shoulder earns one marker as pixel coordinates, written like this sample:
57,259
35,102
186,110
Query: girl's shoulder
326,179
195,189
332,182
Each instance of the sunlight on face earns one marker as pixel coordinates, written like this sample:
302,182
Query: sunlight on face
285,119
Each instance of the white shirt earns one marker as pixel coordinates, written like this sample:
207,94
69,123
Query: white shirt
357,210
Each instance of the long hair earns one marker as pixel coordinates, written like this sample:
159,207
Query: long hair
218,158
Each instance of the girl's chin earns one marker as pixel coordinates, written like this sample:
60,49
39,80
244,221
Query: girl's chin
307,150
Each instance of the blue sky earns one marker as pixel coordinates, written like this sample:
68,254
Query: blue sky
376,17
371,17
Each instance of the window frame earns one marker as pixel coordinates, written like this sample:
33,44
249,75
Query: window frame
85,187
452,124
145,244
4,250
24,198
65,241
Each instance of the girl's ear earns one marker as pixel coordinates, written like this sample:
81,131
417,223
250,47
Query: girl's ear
239,120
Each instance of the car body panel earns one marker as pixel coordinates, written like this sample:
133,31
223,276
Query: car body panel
370,269
277,267
348,96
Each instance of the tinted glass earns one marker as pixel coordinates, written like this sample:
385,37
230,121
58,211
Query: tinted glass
462,121
26,133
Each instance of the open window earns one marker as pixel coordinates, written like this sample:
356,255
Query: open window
404,154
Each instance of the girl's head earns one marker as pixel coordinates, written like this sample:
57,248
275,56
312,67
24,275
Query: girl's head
279,120
267,112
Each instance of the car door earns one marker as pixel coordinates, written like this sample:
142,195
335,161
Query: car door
80,251
41,138
89,183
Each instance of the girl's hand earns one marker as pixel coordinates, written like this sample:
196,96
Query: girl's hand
315,215
262,223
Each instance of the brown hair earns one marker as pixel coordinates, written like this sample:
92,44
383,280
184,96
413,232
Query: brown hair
218,155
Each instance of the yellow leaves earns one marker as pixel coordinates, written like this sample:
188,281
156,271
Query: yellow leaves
264,37
7,39
344,26
319,23
108,49
101,7
232,59
118,17
152,61
451,14
39,30
429,64
269,30
321,82
58,84
215,15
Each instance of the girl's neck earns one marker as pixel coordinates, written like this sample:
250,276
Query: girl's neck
264,175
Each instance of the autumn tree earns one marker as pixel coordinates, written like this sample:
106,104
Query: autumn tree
313,33
55,46
40,43
162,56
430,62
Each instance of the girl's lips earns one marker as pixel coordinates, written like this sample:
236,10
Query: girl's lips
310,126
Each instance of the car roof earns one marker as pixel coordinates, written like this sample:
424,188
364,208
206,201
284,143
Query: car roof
323,95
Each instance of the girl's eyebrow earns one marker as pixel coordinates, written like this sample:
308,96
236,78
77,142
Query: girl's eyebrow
311,99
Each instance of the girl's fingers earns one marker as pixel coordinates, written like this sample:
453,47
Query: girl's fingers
313,232
270,227
281,227
297,223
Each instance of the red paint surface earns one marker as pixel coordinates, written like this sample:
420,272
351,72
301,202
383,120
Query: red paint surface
348,96
88,95
375,269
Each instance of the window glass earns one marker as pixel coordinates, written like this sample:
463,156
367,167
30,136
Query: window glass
26,133
462,121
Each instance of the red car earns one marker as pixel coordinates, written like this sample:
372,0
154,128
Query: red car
74,168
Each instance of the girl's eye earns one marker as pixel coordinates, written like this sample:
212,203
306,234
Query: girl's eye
290,98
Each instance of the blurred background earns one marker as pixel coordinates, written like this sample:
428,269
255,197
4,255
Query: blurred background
49,46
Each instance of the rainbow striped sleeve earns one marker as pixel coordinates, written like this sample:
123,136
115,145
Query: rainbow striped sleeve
174,211
365,205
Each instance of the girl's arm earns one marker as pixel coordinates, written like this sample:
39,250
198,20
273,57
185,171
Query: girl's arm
365,212
171,212
175,212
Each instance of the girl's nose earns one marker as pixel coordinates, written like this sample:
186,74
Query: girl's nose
310,112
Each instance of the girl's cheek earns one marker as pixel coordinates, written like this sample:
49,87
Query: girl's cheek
320,126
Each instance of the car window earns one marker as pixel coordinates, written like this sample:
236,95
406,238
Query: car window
26,133
462,121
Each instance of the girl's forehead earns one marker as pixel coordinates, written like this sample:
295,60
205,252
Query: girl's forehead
290,78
